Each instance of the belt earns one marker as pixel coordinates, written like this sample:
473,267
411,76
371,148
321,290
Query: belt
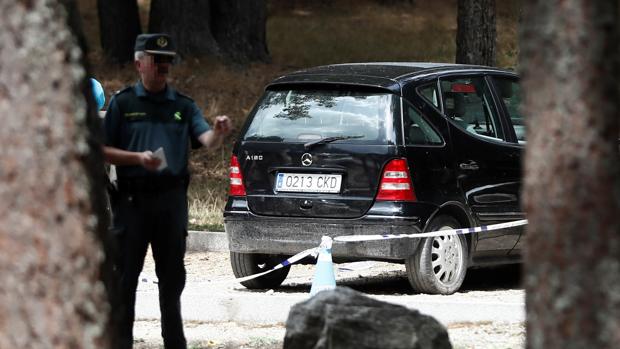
152,184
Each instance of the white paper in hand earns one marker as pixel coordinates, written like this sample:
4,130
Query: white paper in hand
159,153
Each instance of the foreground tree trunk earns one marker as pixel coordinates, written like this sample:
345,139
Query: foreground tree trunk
119,24
187,21
51,199
569,57
476,32
239,27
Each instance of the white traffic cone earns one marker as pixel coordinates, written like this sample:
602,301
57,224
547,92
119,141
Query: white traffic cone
324,278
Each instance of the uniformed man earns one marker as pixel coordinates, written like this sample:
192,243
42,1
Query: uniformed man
148,130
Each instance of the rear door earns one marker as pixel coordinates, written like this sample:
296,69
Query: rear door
487,164
317,152
428,155
508,95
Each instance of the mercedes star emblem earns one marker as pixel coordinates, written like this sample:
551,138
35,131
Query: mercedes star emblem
306,159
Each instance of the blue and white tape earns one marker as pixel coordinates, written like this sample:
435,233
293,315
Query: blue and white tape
296,258
361,238
462,231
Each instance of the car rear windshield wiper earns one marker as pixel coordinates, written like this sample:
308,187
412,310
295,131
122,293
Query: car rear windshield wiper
329,140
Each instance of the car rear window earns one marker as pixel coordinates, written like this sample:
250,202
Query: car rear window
307,115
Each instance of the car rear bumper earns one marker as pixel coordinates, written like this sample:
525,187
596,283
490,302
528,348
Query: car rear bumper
251,233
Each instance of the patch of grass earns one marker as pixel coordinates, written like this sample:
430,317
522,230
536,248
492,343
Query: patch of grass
206,216
208,189
264,342
468,324
362,31
207,344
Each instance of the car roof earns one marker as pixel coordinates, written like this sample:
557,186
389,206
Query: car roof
384,75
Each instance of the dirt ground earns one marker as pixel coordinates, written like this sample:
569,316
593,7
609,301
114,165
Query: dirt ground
215,266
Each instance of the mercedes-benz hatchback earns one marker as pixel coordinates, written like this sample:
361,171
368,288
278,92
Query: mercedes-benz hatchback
379,148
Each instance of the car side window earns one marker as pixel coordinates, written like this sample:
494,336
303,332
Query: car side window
509,92
468,101
429,92
417,130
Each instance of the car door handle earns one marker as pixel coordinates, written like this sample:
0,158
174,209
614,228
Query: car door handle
470,165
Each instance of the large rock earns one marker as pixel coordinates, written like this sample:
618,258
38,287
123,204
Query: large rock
344,318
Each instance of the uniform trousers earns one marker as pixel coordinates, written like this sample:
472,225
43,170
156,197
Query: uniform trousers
158,218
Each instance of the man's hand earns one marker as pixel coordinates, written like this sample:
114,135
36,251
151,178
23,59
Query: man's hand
148,161
215,136
122,157
222,125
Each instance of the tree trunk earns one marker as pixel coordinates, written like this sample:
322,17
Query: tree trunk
232,29
569,57
51,190
239,27
476,33
119,24
187,21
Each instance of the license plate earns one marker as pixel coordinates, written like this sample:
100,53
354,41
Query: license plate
308,182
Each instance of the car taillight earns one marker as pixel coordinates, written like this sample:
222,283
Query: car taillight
236,178
396,182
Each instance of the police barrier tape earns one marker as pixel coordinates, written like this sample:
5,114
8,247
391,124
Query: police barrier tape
296,258
360,238
462,231
292,260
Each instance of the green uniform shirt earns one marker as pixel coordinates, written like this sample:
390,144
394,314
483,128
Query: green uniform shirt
137,120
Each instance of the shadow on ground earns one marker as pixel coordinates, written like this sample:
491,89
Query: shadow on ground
394,283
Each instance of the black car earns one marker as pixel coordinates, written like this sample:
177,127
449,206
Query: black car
380,148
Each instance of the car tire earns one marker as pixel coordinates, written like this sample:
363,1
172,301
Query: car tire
246,264
439,263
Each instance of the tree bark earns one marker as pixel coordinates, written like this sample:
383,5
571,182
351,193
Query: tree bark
231,29
569,59
51,189
476,32
239,27
188,22
119,24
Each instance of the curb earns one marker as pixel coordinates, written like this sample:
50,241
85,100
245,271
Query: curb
207,241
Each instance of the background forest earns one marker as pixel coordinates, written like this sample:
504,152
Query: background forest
299,34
